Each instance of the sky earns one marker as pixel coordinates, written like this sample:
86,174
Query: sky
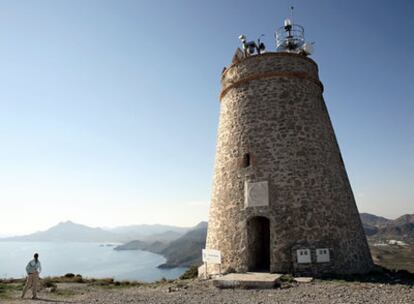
109,109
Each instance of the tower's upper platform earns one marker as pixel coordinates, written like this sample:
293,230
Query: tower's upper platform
253,62
269,65
290,38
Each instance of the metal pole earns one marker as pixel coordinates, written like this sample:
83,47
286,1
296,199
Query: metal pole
205,270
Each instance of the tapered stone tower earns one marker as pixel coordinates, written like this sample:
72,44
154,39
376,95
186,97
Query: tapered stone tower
281,199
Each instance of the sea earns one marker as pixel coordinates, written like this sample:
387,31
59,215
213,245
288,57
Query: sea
91,260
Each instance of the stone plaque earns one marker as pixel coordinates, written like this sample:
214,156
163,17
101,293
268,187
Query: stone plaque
256,194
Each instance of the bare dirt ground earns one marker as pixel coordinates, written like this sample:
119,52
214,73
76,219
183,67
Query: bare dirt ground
321,292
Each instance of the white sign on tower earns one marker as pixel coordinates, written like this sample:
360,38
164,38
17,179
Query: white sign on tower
211,256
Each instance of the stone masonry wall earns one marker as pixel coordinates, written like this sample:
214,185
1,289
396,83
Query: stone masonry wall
272,108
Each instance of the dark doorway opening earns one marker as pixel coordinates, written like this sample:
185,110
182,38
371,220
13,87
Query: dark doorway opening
258,232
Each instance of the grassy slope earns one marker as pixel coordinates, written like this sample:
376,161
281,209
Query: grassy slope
394,257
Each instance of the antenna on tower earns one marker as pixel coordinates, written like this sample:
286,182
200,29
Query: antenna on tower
251,47
291,38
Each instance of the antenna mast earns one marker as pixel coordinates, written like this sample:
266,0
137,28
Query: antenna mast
291,38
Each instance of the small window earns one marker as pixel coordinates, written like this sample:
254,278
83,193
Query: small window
246,160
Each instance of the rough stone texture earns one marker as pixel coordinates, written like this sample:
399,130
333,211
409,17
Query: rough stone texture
283,123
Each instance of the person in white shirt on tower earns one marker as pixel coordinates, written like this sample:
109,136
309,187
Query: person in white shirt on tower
33,269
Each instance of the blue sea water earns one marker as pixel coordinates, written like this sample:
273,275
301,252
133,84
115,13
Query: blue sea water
88,259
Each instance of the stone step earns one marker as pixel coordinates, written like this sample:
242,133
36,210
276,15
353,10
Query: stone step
259,280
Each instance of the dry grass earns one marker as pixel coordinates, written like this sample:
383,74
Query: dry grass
394,257
67,286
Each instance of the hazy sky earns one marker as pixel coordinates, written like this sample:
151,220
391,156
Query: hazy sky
109,109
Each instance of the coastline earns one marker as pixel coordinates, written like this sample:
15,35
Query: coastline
91,260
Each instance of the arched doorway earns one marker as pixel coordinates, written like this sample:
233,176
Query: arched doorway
258,236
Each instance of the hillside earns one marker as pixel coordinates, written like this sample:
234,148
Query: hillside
155,247
164,237
185,251
148,232
374,220
401,228
372,223
381,228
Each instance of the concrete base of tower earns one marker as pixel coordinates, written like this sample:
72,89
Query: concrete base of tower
259,280
206,271
320,266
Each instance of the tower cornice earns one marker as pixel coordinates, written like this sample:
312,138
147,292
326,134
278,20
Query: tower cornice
300,75
268,54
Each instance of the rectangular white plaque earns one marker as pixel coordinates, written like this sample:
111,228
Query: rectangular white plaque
322,255
303,255
211,256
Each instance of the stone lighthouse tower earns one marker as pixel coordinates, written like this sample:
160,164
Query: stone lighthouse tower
281,199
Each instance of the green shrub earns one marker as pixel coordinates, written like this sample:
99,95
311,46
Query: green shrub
191,273
79,279
287,278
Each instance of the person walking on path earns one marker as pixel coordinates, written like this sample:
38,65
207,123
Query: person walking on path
33,269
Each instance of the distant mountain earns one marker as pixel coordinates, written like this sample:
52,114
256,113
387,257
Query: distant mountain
372,223
72,232
404,219
374,220
377,227
69,232
401,228
185,251
142,231
164,237
155,247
